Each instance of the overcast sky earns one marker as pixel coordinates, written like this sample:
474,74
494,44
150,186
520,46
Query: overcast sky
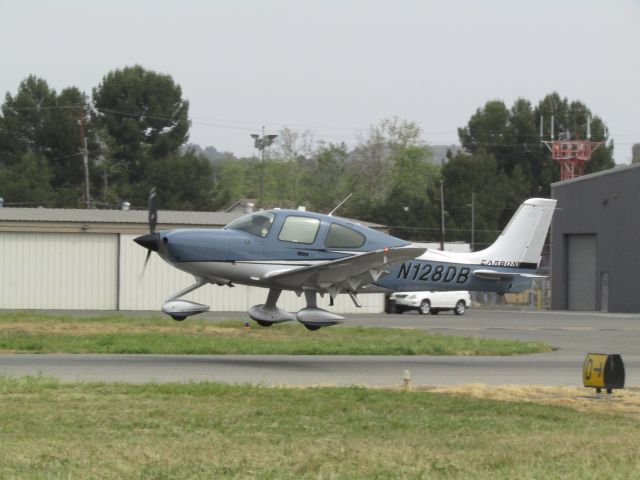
338,66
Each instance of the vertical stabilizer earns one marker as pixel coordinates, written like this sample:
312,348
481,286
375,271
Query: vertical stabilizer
522,239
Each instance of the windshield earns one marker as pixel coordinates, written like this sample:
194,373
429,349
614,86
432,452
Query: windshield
255,223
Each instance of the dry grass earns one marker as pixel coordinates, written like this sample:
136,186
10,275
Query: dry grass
625,401
90,328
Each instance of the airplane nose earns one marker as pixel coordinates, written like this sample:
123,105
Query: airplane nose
150,241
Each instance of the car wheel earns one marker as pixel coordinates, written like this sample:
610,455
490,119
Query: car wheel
399,309
460,308
425,307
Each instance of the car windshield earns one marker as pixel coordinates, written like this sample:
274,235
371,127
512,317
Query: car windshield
255,223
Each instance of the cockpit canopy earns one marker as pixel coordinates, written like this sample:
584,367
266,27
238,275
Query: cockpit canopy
295,227
258,223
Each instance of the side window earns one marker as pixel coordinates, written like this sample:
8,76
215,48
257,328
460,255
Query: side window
299,230
340,236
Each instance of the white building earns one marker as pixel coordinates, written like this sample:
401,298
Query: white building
86,259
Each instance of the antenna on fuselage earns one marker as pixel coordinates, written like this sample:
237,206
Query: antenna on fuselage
340,204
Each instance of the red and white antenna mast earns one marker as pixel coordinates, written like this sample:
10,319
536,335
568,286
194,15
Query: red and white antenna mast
571,155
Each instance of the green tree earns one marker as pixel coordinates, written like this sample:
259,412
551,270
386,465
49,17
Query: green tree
183,182
144,114
39,120
570,120
477,174
372,161
325,184
27,181
635,153
233,183
512,137
411,206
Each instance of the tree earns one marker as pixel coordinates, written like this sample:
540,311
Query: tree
292,145
635,153
411,204
325,185
371,161
28,181
145,115
183,182
477,173
233,183
39,120
570,119
487,130
512,137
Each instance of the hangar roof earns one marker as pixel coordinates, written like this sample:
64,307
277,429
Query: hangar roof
111,221
602,173
115,216
105,221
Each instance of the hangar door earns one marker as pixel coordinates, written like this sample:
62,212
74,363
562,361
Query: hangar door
581,272
58,270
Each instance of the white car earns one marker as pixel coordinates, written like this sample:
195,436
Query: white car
432,302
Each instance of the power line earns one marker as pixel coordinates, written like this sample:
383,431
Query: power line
228,124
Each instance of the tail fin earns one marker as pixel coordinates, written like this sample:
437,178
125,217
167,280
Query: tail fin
522,239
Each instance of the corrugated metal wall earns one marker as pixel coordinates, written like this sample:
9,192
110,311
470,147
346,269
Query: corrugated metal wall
58,270
604,204
104,272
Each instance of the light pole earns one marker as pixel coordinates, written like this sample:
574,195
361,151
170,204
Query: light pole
261,143
473,219
442,215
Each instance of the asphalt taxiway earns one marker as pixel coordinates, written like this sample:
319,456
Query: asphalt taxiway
574,334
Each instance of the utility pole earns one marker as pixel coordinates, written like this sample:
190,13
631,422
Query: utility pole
473,220
442,215
84,151
262,142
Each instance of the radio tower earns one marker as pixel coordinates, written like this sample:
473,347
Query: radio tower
571,155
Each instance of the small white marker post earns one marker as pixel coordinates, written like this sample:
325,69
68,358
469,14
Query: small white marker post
406,378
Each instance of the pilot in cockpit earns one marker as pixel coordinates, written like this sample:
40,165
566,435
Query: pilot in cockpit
260,225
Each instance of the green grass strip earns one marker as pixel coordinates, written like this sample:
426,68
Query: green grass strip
56,430
38,333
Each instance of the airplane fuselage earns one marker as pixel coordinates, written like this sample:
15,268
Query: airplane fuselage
312,253
221,256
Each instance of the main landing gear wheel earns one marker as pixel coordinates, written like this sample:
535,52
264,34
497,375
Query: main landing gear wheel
178,318
425,307
460,308
313,328
262,323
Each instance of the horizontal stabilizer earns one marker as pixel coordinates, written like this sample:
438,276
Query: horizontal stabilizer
495,275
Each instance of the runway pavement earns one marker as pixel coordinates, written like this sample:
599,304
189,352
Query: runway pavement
574,334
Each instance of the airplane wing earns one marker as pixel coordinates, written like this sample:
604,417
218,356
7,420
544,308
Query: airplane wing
345,273
495,275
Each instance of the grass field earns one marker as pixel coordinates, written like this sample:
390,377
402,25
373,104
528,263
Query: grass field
38,333
54,430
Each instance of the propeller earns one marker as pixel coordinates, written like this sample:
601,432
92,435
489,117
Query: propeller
153,210
150,241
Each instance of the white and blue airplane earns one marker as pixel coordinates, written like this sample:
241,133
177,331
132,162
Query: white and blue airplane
312,253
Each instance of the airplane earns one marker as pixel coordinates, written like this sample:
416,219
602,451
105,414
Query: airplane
321,254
